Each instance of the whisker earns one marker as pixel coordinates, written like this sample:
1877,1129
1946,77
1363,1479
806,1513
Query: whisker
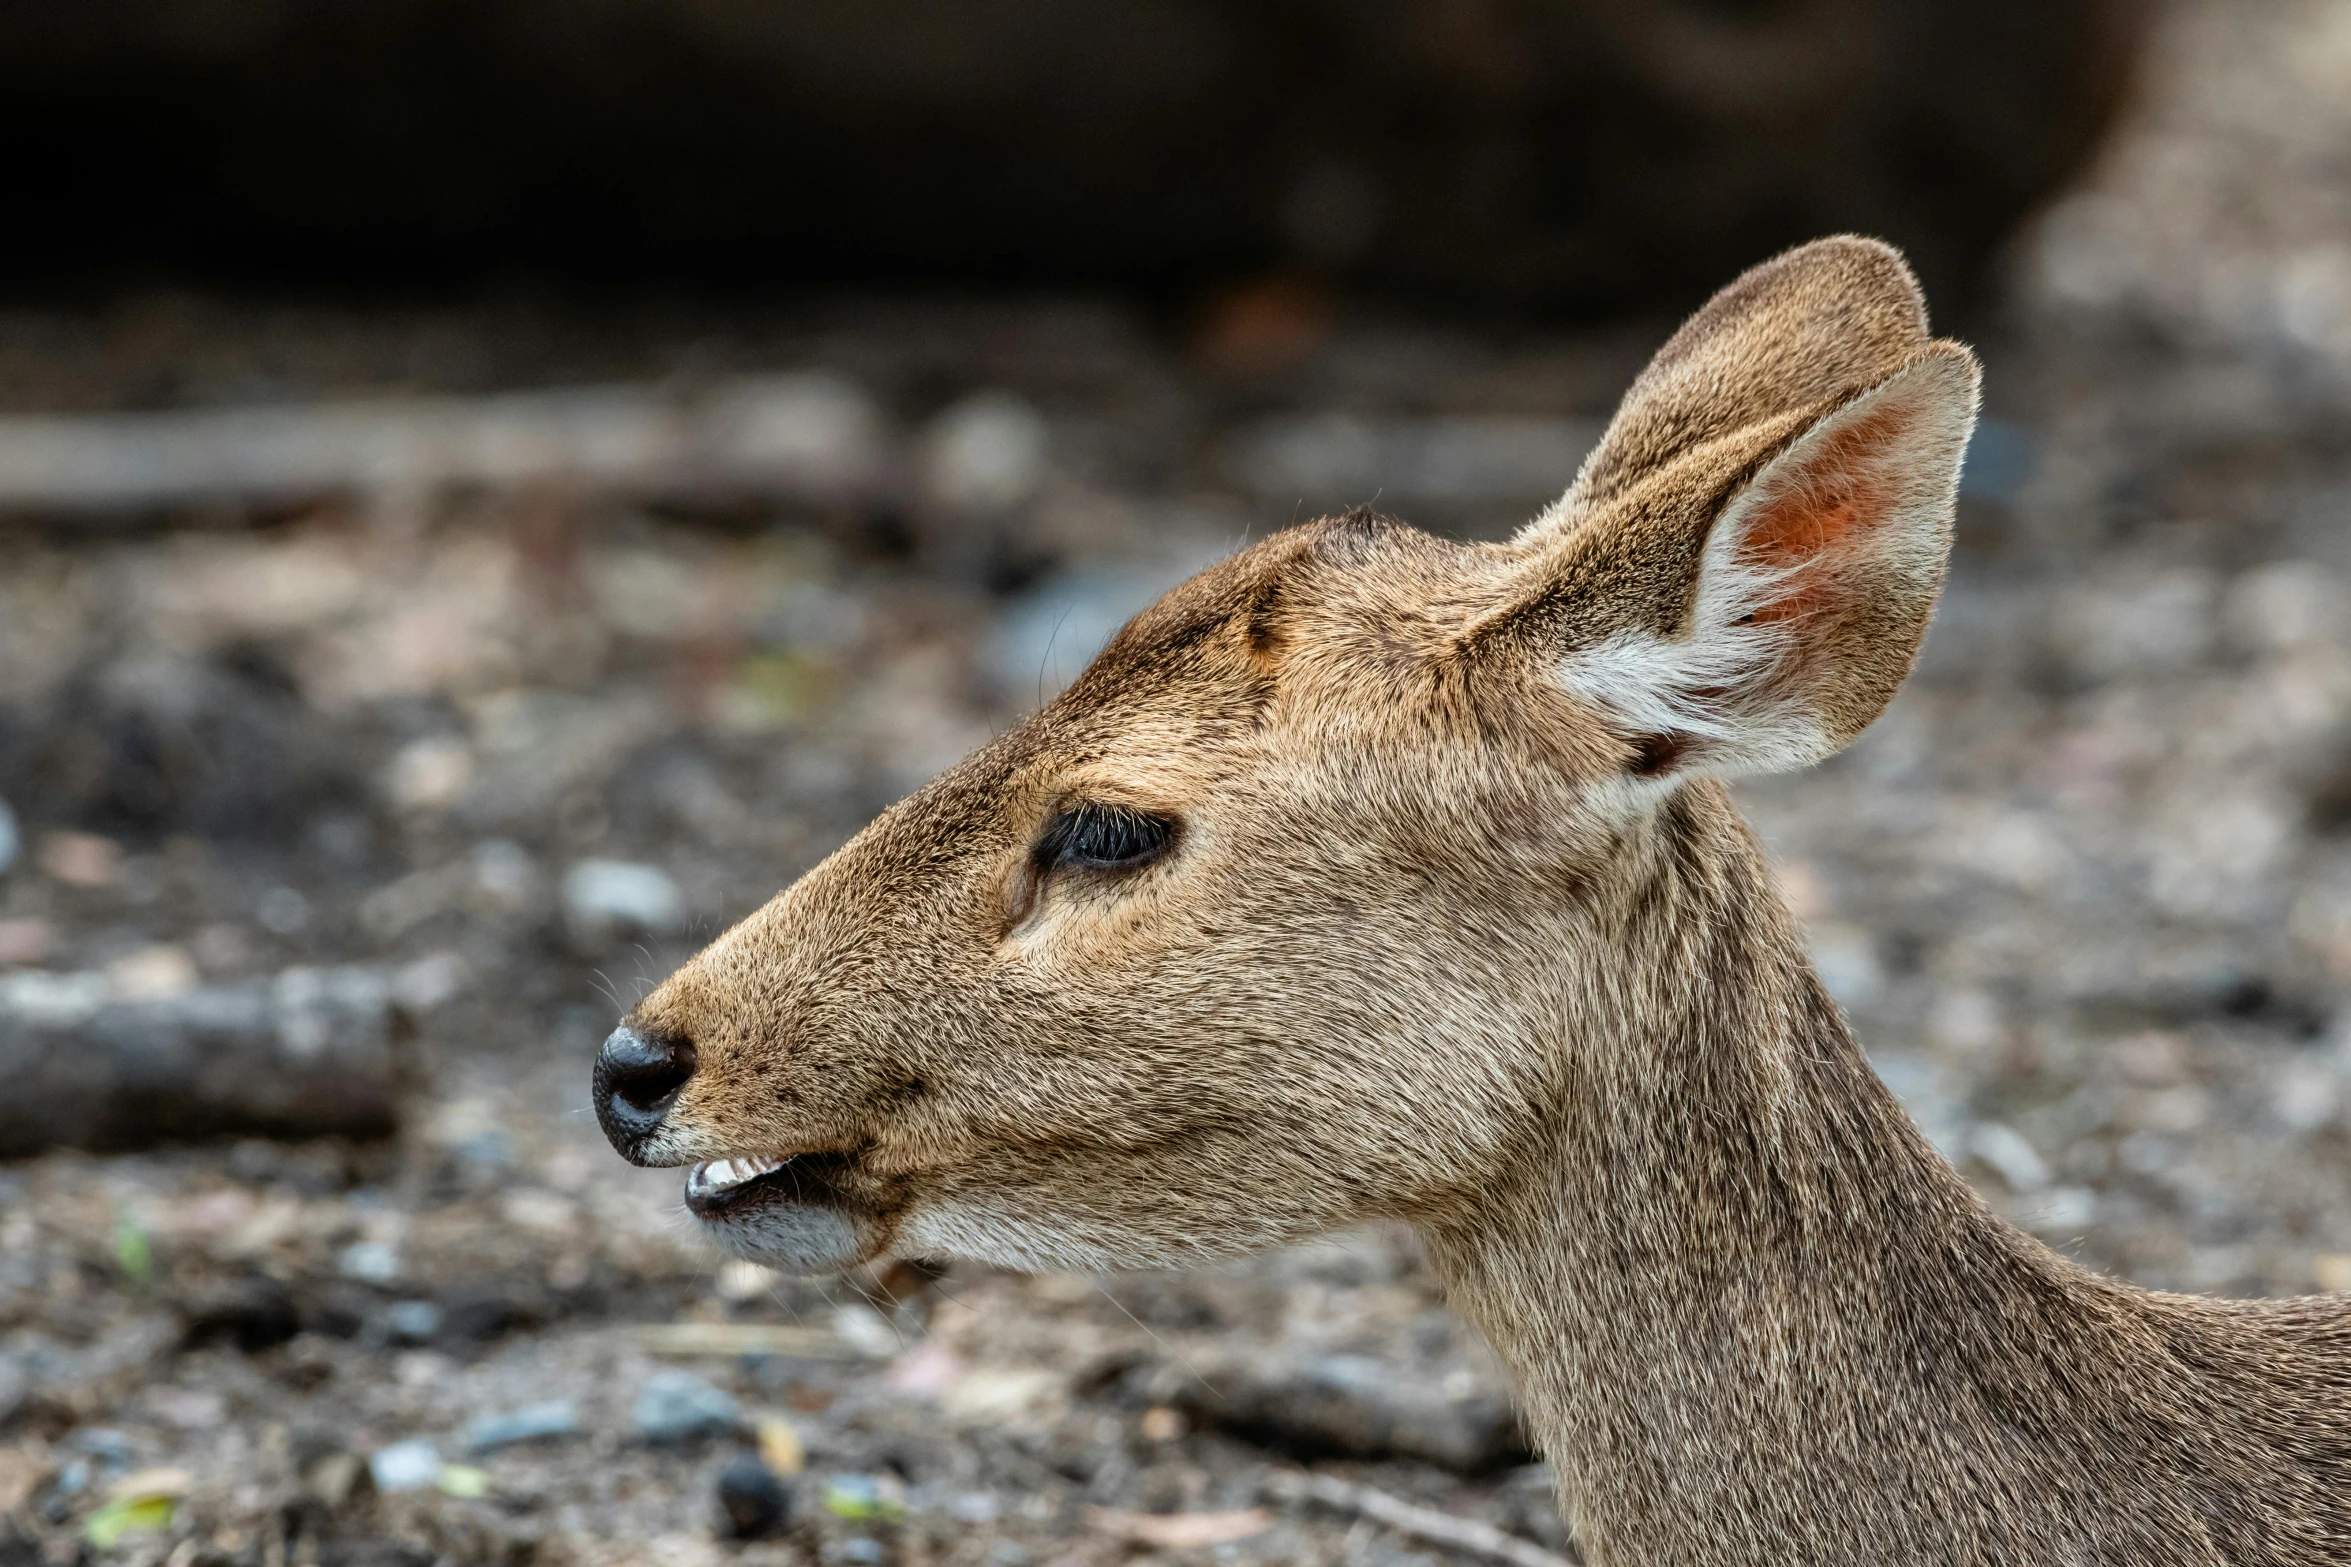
1174,1353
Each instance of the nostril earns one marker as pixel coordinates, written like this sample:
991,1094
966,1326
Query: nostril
637,1079
647,1073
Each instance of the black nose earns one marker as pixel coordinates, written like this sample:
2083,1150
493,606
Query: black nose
637,1080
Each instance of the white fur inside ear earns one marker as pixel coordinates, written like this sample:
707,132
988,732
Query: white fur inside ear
1726,690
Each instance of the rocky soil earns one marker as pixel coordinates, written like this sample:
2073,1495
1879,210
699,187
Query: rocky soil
512,752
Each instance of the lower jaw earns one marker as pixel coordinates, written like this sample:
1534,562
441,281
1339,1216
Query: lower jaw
795,1219
792,1237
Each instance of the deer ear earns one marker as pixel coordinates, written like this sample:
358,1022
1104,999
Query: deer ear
1755,605
1812,592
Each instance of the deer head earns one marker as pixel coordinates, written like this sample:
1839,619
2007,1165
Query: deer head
1321,891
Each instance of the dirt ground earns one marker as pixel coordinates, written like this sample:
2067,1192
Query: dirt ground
2086,889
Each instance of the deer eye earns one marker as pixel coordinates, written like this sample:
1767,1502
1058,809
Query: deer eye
1104,838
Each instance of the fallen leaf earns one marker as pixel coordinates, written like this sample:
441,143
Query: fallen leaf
463,1481
1179,1531
147,1484
117,1521
780,1447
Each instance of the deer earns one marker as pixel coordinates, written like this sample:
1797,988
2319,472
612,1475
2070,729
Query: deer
1375,876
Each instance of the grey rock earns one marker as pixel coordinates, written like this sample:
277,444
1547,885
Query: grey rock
413,1321
677,1406
753,1504
404,1466
1359,1407
531,1423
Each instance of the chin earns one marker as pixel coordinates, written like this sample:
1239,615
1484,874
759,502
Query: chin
788,1214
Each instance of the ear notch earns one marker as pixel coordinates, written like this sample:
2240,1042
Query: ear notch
1812,589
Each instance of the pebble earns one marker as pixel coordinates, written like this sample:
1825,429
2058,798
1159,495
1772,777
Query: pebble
2004,1148
607,898
986,453
370,1262
412,1465
753,1502
677,1406
531,1423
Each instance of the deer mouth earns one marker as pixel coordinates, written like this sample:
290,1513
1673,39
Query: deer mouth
721,1189
787,1211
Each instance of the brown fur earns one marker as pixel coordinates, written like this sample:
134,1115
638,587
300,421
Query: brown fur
1459,928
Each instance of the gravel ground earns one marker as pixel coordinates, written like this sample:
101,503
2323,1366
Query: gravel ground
2086,889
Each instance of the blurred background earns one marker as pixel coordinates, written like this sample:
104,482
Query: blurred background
489,493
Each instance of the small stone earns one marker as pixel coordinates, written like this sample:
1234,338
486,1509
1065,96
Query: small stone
25,941
370,1262
413,1321
333,1478
531,1423
677,1406
753,1502
2305,1094
504,870
429,775
103,1443
2003,1148
603,899
986,453
283,911
81,859
412,1465
154,973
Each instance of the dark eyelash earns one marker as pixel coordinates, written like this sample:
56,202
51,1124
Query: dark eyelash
1104,838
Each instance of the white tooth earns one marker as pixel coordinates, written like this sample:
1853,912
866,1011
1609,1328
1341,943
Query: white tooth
718,1174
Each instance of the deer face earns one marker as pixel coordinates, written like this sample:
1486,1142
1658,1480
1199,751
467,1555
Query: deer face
1298,907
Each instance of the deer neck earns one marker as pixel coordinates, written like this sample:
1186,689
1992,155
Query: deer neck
1748,1304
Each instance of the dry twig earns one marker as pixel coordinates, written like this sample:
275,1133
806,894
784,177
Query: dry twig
1461,1534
